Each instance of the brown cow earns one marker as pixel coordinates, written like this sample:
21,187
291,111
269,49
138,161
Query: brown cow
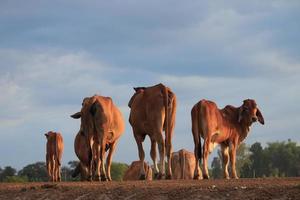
228,126
102,125
54,150
133,172
152,111
183,164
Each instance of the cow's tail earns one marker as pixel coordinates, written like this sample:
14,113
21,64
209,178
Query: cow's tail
166,123
170,114
196,129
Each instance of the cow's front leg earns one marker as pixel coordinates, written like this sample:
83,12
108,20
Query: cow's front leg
233,159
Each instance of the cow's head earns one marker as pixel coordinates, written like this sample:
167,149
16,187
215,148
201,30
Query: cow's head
137,90
50,134
249,112
86,115
91,115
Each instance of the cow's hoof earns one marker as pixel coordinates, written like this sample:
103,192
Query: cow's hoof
156,176
161,176
96,178
103,178
196,177
89,178
143,177
205,176
169,177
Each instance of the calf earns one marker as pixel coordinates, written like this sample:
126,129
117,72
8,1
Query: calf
54,150
133,172
183,164
228,126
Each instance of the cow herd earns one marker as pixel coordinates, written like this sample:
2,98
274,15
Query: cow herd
152,112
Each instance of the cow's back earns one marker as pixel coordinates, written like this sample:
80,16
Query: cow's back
133,172
113,116
147,107
183,164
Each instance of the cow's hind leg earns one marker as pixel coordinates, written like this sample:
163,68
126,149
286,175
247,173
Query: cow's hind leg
161,147
139,138
95,165
197,173
225,156
109,160
168,153
206,148
53,172
102,158
153,157
58,172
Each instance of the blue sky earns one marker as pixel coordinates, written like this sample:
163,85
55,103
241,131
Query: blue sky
55,53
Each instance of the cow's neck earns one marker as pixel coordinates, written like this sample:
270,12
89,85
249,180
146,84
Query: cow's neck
243,133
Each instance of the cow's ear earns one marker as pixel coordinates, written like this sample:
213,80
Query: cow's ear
260,117
136,89
76,115
47,135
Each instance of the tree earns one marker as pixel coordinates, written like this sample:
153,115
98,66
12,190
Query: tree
35,172
66,173
258,160
73,164
216,168
242,159
283,158
277,159
7,171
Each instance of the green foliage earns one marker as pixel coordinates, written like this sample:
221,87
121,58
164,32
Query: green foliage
6,172
66,173
278,159
35,172
16,179
118,170
73,164
216,168
242,158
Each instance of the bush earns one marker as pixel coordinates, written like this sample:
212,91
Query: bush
16,179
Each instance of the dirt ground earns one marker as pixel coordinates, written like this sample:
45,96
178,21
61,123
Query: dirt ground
270,188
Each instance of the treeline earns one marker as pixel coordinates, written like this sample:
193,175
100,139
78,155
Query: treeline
277,159
37,172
